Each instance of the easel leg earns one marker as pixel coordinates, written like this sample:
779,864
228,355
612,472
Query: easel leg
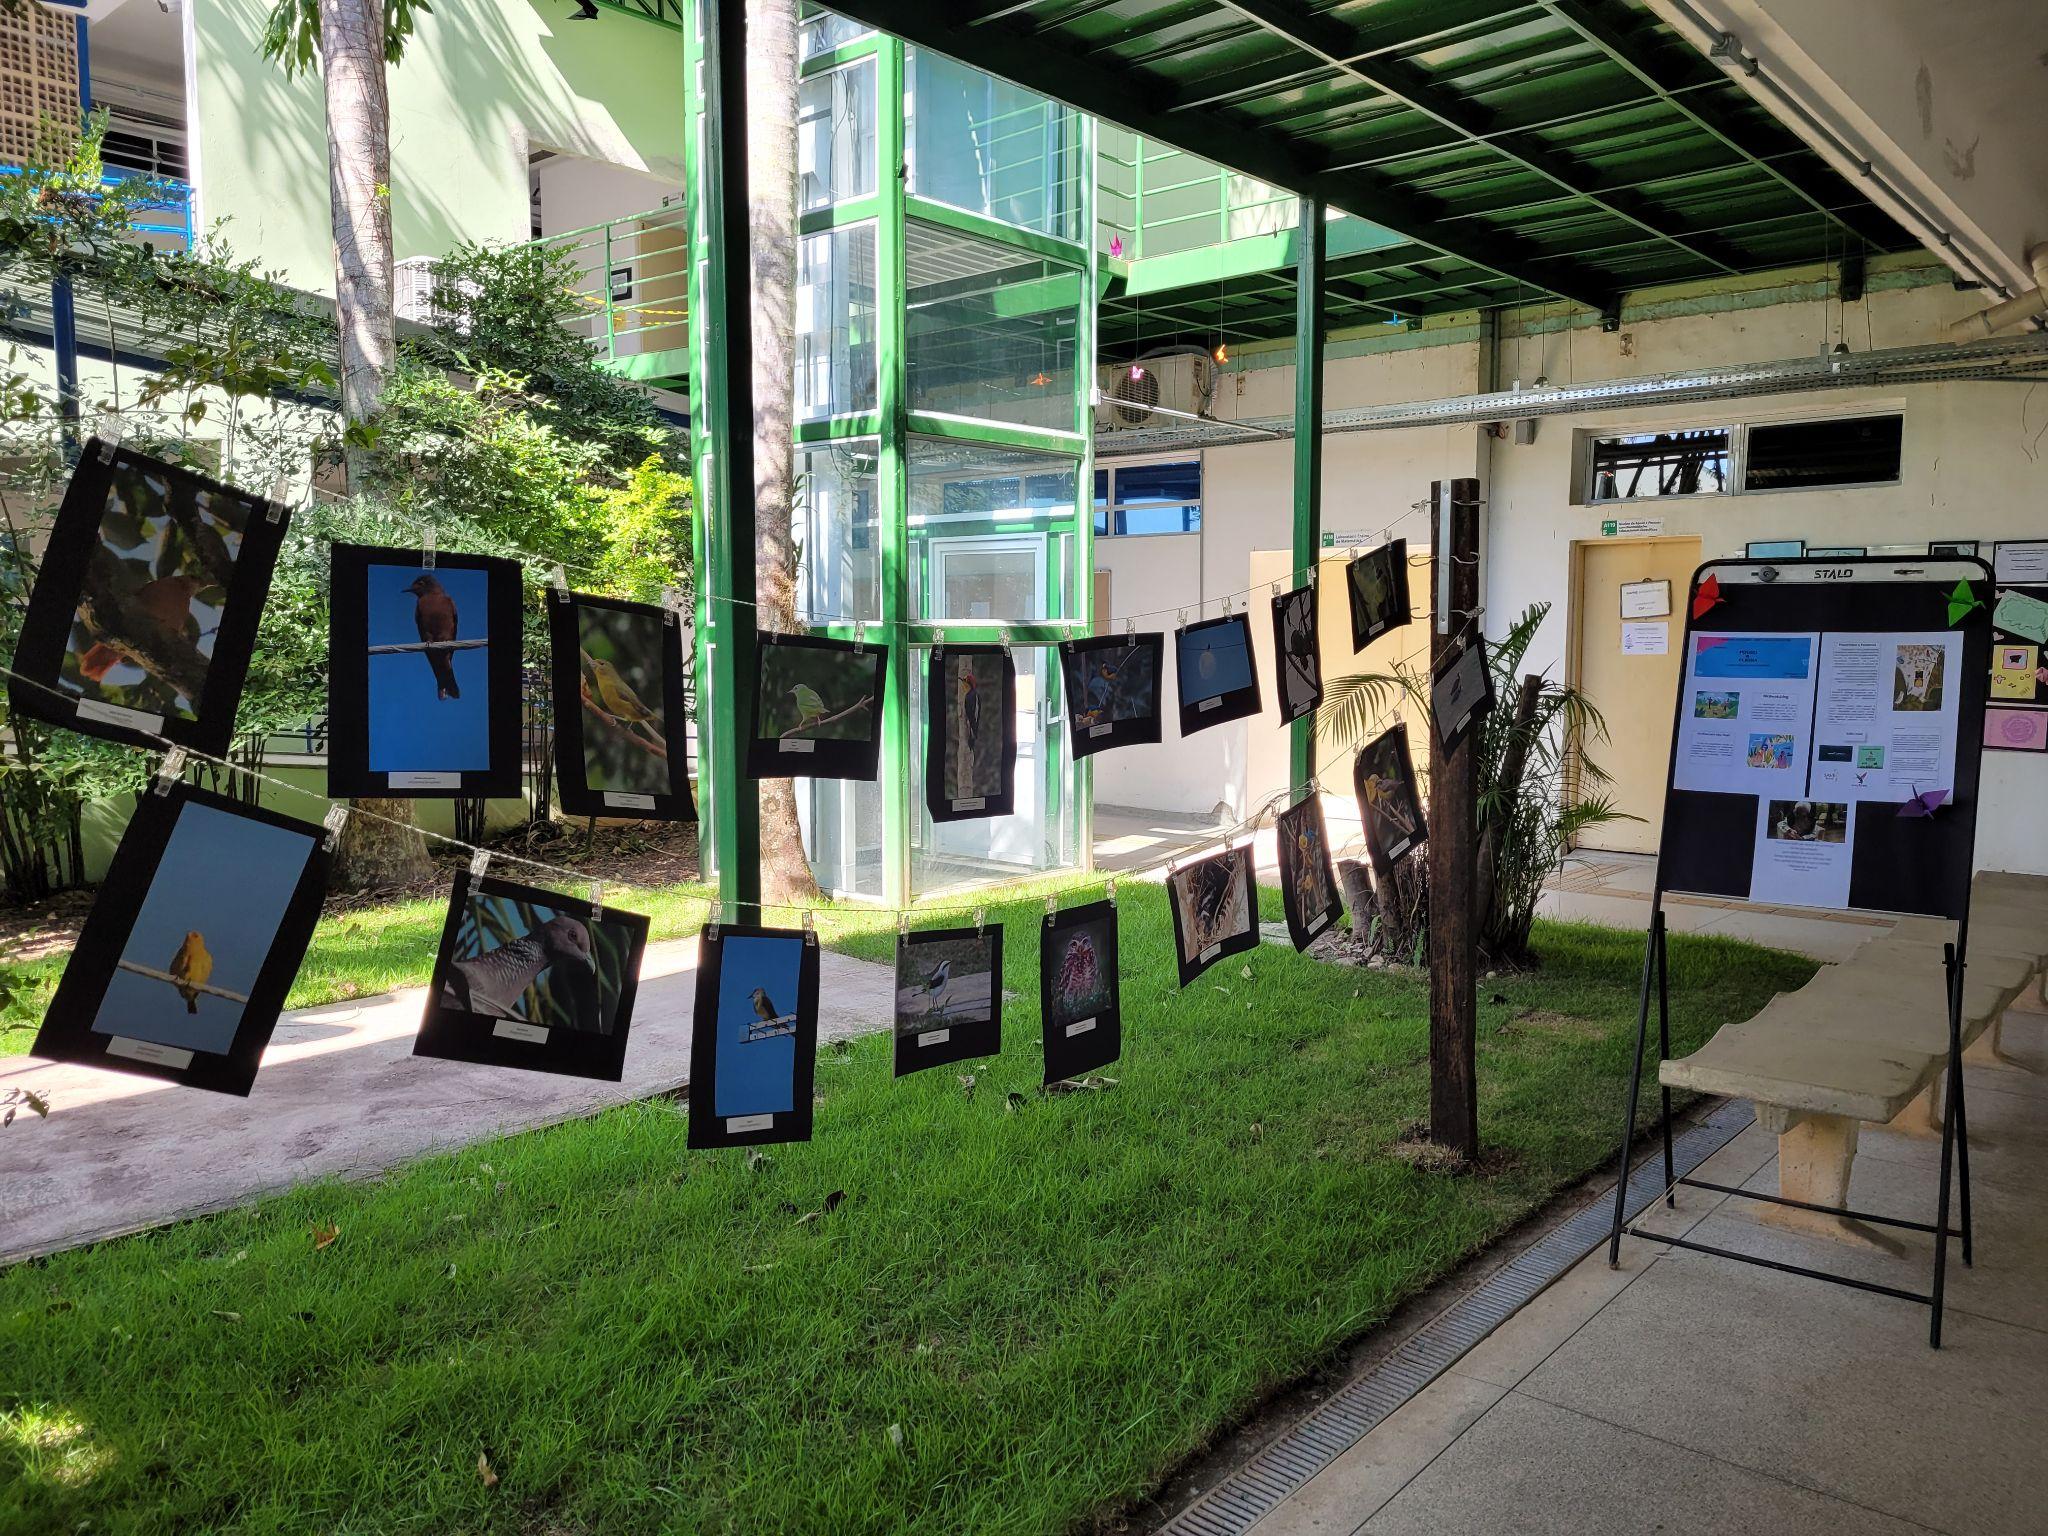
1948,1141
1962,1157
1664,1054
1635,1088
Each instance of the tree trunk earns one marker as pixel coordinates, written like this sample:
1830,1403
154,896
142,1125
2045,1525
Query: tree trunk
372,853
771,218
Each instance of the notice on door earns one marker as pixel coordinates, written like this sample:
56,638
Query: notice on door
1640,638
1745,715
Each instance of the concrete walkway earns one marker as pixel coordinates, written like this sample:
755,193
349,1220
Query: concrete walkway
340,1092
1687,1393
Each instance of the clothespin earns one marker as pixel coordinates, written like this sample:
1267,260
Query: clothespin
111,429
938,642
717,915
558,579
1109,893
427,548
980,920
672,604
811,926
1130,629
479,858
902,924
1003,639
280,494
596,900
1180,619
1276,589
170,770
1226,605
1052,907
860,637
336,818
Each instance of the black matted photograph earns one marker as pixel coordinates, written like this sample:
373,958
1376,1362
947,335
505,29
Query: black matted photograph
1461,690
624,749
971,738
1077,990
1384,777
189,950
949,996
817,709
1308,879
1215,912
1112,684
1297,652
1214,671
143,618
754,1036
1377,582
531,978
423,674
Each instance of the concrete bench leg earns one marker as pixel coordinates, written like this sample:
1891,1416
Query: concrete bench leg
1816,1154
1988,1050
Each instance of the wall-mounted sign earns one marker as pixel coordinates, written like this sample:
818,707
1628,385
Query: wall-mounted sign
1631,527
1350,538
1645,599
2020,562
1652,638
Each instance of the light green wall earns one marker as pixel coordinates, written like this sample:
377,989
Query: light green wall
481,83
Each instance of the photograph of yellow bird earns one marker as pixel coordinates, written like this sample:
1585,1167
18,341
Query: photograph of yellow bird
192,965
619,677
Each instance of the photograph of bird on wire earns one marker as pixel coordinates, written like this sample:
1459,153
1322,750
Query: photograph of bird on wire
754,1036
1214,670
1078,995
1384,778
1214,911
971,738
1299,649
185,959
1112,684
1378,583
949,995
817,710
130,623
623,750
532,978
1308,880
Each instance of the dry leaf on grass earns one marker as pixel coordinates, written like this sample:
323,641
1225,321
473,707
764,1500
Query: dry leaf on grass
832,1202
324,1237
483,1470
233,1317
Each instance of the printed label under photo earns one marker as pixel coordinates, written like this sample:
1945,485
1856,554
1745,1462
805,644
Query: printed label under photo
1080,1028
935,1037
149,1051
739,1124
417,779
512,1029
117,714
621,800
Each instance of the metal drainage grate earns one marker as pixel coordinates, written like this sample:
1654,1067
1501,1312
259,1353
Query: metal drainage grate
1252,1492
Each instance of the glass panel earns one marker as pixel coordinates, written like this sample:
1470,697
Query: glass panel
842,822
835,135
985,532
1153,498
1796,455
822,31
1687,463
991,330
835,322
991,147
838,529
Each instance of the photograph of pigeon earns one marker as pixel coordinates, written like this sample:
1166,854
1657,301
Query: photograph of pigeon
1384,778
1308,882
817,709
1112,684
971,740
949,1000
1378,585
185,959
1299,649
147,607
754,1036
1215,672
1078,993
1214,913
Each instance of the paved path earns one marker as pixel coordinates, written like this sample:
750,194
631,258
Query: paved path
340,1093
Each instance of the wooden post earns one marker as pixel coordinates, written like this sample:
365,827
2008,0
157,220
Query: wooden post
1453,839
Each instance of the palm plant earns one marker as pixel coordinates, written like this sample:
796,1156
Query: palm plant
1538,789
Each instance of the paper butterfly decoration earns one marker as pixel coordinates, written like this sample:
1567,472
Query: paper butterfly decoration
1962,601
1705,596
1924,802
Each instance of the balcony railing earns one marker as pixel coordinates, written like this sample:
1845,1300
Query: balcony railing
1154,201
163,219
630,288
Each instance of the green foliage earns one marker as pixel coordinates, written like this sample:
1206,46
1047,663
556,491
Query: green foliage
292,34
59,215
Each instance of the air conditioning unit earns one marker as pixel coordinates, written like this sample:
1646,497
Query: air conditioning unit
1154,391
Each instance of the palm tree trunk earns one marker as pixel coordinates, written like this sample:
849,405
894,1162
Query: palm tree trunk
373,853
771,216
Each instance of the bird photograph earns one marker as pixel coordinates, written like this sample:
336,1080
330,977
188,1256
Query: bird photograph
150,603
944,981
1306,861
1301,673
973,726
1378,586
434,616
1215,659
523,960
1117,683
1385,785
759,1017
429,666
191,966
625,732
1081,983
819,694
1213,897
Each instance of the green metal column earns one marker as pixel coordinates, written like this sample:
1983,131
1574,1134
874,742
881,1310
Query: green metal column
892,478
722,441
1308,441
1083,609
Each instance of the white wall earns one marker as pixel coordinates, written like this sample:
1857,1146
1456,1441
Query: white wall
576,193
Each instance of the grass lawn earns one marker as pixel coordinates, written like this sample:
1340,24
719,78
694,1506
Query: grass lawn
1024,1310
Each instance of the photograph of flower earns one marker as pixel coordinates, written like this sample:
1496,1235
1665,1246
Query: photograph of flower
1299,651
1214,911
1384,777
1377,582
1078,990
971,738
145,614
1112,685
817,708
949,996
754,1036
623,748
1308,881
1214,671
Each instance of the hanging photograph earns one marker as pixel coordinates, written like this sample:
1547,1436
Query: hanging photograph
754,1036
1078,993
143,618
623,750
971,738
423,674
1298,653
1461,690
1308,880
1384,777
1377,582
1112,684
192,944
818,708
1213,667
949,996
531,978
1215,910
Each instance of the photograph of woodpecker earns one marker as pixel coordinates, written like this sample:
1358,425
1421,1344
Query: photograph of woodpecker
1378,585
1214,912
1112,684
949,995
1308,881
971,737
753,1036
1299,651
817,710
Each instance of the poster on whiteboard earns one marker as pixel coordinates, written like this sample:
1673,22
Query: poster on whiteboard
1885,718
1745,717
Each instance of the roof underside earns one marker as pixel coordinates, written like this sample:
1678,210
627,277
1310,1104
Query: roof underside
1520,149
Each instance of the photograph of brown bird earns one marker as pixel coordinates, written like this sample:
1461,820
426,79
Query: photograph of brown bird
191,965
433,614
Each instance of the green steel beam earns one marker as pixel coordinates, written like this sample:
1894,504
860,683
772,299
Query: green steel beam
1000,434
1308,447
892,480
960,221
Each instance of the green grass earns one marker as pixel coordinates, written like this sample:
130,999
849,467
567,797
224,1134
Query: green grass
1025,1310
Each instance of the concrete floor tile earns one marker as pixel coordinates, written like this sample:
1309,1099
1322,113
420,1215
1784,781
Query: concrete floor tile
1345,1494
1527,1339
2008,1137
1532,1469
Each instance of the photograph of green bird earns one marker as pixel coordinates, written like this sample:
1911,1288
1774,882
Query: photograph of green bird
816,707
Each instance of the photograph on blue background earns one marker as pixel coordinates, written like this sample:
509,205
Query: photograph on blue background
754,1036
429,709
1213,667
